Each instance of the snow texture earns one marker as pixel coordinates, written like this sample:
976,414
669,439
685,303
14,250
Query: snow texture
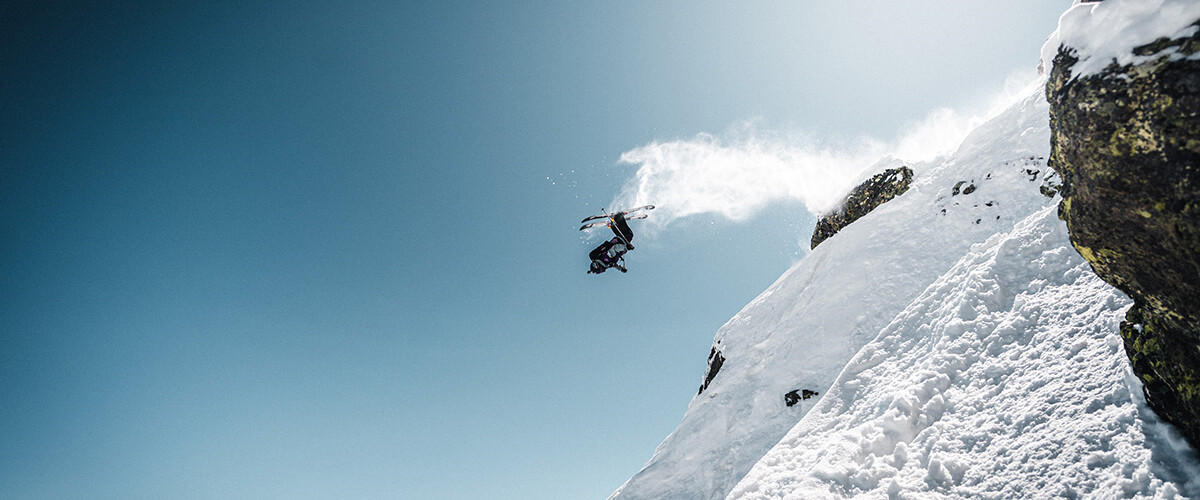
960,348
1004,379
1107,32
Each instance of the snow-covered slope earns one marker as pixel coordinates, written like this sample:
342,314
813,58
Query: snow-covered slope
978,349
1005,379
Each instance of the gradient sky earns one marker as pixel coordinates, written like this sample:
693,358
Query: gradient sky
329,250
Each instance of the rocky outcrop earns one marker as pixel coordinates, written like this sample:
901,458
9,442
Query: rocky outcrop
1126,142
862,200
715,360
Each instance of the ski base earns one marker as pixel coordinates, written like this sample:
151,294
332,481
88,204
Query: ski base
626,212
604,223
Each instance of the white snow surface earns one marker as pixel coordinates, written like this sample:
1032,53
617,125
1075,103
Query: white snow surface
1107,32
960,346
1004,379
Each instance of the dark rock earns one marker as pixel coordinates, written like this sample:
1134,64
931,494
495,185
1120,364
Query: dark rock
862,200
1051,185
1126,143
791,398
715,360
794,397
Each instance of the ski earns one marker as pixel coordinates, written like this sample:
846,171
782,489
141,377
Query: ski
626,212
605,222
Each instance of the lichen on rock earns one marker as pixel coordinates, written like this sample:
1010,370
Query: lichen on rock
1126,143
862,200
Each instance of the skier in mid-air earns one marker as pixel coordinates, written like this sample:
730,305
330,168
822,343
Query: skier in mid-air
611,253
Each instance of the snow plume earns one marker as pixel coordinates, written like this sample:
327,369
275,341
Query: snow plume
739,173
943,129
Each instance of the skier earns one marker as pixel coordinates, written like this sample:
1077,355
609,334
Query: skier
612,252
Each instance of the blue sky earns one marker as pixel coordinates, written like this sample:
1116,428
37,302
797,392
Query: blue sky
329,250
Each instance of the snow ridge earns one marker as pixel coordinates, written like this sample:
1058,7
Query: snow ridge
1106,33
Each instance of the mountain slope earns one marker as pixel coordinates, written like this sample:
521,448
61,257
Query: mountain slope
802,331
